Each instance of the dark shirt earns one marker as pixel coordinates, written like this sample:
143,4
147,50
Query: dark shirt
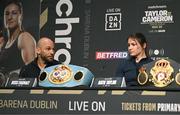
130,69
10,58
32,70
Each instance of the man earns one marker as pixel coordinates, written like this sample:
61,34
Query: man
45,58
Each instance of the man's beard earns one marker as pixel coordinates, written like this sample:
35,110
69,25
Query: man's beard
47,60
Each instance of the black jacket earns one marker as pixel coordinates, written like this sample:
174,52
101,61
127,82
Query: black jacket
32,70
130,69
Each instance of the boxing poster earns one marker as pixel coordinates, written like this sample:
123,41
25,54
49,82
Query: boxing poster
19,31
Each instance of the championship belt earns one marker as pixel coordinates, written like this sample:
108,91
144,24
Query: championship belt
65,76
160,73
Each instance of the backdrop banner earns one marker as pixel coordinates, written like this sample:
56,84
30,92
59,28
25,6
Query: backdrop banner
93,33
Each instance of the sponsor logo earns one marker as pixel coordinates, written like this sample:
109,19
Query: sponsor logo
156,54
113,19
111,55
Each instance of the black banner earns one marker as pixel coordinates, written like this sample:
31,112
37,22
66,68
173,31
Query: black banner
93,33
40,101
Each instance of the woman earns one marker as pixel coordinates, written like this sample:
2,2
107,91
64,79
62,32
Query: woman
137,48
18,47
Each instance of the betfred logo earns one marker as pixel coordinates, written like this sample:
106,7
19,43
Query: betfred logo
111,55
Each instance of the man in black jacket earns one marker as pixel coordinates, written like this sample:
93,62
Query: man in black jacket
45,58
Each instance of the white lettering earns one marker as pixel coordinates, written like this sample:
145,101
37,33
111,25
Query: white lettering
78,106
58,33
